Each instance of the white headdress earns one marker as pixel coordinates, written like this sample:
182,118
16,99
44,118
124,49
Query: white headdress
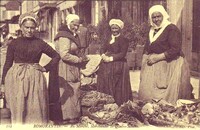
71,17
158,8
164,24
29,16
118,22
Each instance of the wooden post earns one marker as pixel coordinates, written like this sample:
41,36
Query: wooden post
180,12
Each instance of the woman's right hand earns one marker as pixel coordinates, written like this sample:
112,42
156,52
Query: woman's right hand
105,58
154,58
84,59
39,67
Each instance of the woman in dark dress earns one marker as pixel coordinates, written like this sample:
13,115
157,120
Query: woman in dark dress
165,72
113,74
25,84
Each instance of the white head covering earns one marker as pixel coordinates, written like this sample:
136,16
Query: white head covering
28,16
164,24
71,17
118,22
158,8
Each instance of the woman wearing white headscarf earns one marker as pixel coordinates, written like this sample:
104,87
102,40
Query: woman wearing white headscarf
25,84
165,73
113,74
67,45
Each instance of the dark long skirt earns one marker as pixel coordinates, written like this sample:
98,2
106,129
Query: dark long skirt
64,92
55,113
114,79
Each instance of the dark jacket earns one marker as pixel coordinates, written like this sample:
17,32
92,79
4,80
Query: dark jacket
169,43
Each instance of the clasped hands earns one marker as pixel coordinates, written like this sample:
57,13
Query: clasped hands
154,58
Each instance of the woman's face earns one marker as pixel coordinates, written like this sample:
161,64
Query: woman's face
115,29
157,18
74,25
28,28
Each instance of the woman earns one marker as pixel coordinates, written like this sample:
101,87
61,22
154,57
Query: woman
25,84
68,46
113,74
165,73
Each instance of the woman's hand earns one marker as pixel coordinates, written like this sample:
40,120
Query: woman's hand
84,59
154,58
106,58
39,67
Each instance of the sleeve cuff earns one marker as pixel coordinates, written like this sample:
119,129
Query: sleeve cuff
111,58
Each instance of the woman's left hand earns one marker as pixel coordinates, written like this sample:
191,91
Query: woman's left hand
154,58
106,58
39,67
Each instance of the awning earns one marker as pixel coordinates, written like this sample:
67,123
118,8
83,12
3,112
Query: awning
44,6
67,4
12,5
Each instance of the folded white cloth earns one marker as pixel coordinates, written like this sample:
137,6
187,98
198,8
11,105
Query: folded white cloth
92,66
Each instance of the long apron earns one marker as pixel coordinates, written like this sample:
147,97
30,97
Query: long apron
169,81
26,94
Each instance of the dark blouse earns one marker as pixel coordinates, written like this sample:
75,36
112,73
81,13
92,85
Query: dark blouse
169,43
28,50
117,50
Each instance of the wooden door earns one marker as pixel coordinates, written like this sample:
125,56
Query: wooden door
196,37
196,26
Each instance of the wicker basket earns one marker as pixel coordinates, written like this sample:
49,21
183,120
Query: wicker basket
97,119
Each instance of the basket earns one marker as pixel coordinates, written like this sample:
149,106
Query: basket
92,98
97,119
